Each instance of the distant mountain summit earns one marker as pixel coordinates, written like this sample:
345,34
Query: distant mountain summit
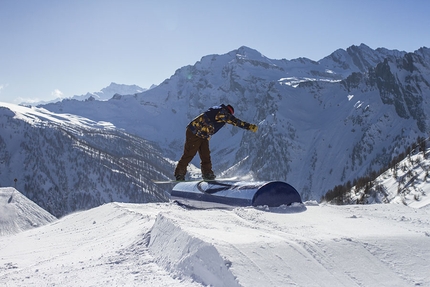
18,213
102,95
110,91
358,58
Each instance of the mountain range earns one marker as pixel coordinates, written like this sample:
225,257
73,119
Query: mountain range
321,123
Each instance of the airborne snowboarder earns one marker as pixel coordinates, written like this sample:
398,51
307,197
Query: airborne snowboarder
198,133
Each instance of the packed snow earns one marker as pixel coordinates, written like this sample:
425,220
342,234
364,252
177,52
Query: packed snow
164,244
18,213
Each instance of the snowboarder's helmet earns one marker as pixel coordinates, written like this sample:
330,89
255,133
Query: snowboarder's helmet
230,109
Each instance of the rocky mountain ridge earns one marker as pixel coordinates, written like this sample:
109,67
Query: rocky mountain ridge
320,123
66,163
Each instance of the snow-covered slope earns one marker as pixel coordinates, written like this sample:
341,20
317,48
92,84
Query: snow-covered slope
18,213
165,245
66,162
405,182
320,123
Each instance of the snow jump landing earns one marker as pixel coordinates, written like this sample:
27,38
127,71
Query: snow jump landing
209,194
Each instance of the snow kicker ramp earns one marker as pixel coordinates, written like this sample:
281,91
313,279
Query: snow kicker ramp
206,194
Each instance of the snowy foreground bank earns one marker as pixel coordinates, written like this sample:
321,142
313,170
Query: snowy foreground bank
167,245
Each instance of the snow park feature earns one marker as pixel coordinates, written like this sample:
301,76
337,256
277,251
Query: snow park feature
212,194
166,245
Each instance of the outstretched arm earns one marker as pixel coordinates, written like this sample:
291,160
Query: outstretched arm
228,118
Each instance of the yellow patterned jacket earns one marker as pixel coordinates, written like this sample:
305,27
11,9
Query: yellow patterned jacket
211,121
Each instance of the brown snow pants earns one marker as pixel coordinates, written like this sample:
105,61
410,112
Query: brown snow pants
194,144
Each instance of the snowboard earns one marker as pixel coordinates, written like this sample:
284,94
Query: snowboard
193,180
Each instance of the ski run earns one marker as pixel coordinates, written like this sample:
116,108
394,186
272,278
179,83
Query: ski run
163,244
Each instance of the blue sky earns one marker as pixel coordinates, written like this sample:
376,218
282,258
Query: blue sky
64,48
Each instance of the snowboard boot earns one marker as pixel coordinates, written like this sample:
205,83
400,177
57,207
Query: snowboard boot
180,177
209,176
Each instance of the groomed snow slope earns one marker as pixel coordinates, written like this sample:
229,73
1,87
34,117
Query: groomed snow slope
167,245
18,213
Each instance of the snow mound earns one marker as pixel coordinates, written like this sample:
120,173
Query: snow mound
188,255
18,213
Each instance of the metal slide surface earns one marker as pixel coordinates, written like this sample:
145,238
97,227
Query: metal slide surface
205,194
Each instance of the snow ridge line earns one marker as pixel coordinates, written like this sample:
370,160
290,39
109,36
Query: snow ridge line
187,255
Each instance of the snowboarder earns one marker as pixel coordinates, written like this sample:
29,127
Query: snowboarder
197,137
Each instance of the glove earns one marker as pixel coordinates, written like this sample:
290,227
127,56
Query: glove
253,128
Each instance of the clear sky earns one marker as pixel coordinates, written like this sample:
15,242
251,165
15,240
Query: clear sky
51,48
